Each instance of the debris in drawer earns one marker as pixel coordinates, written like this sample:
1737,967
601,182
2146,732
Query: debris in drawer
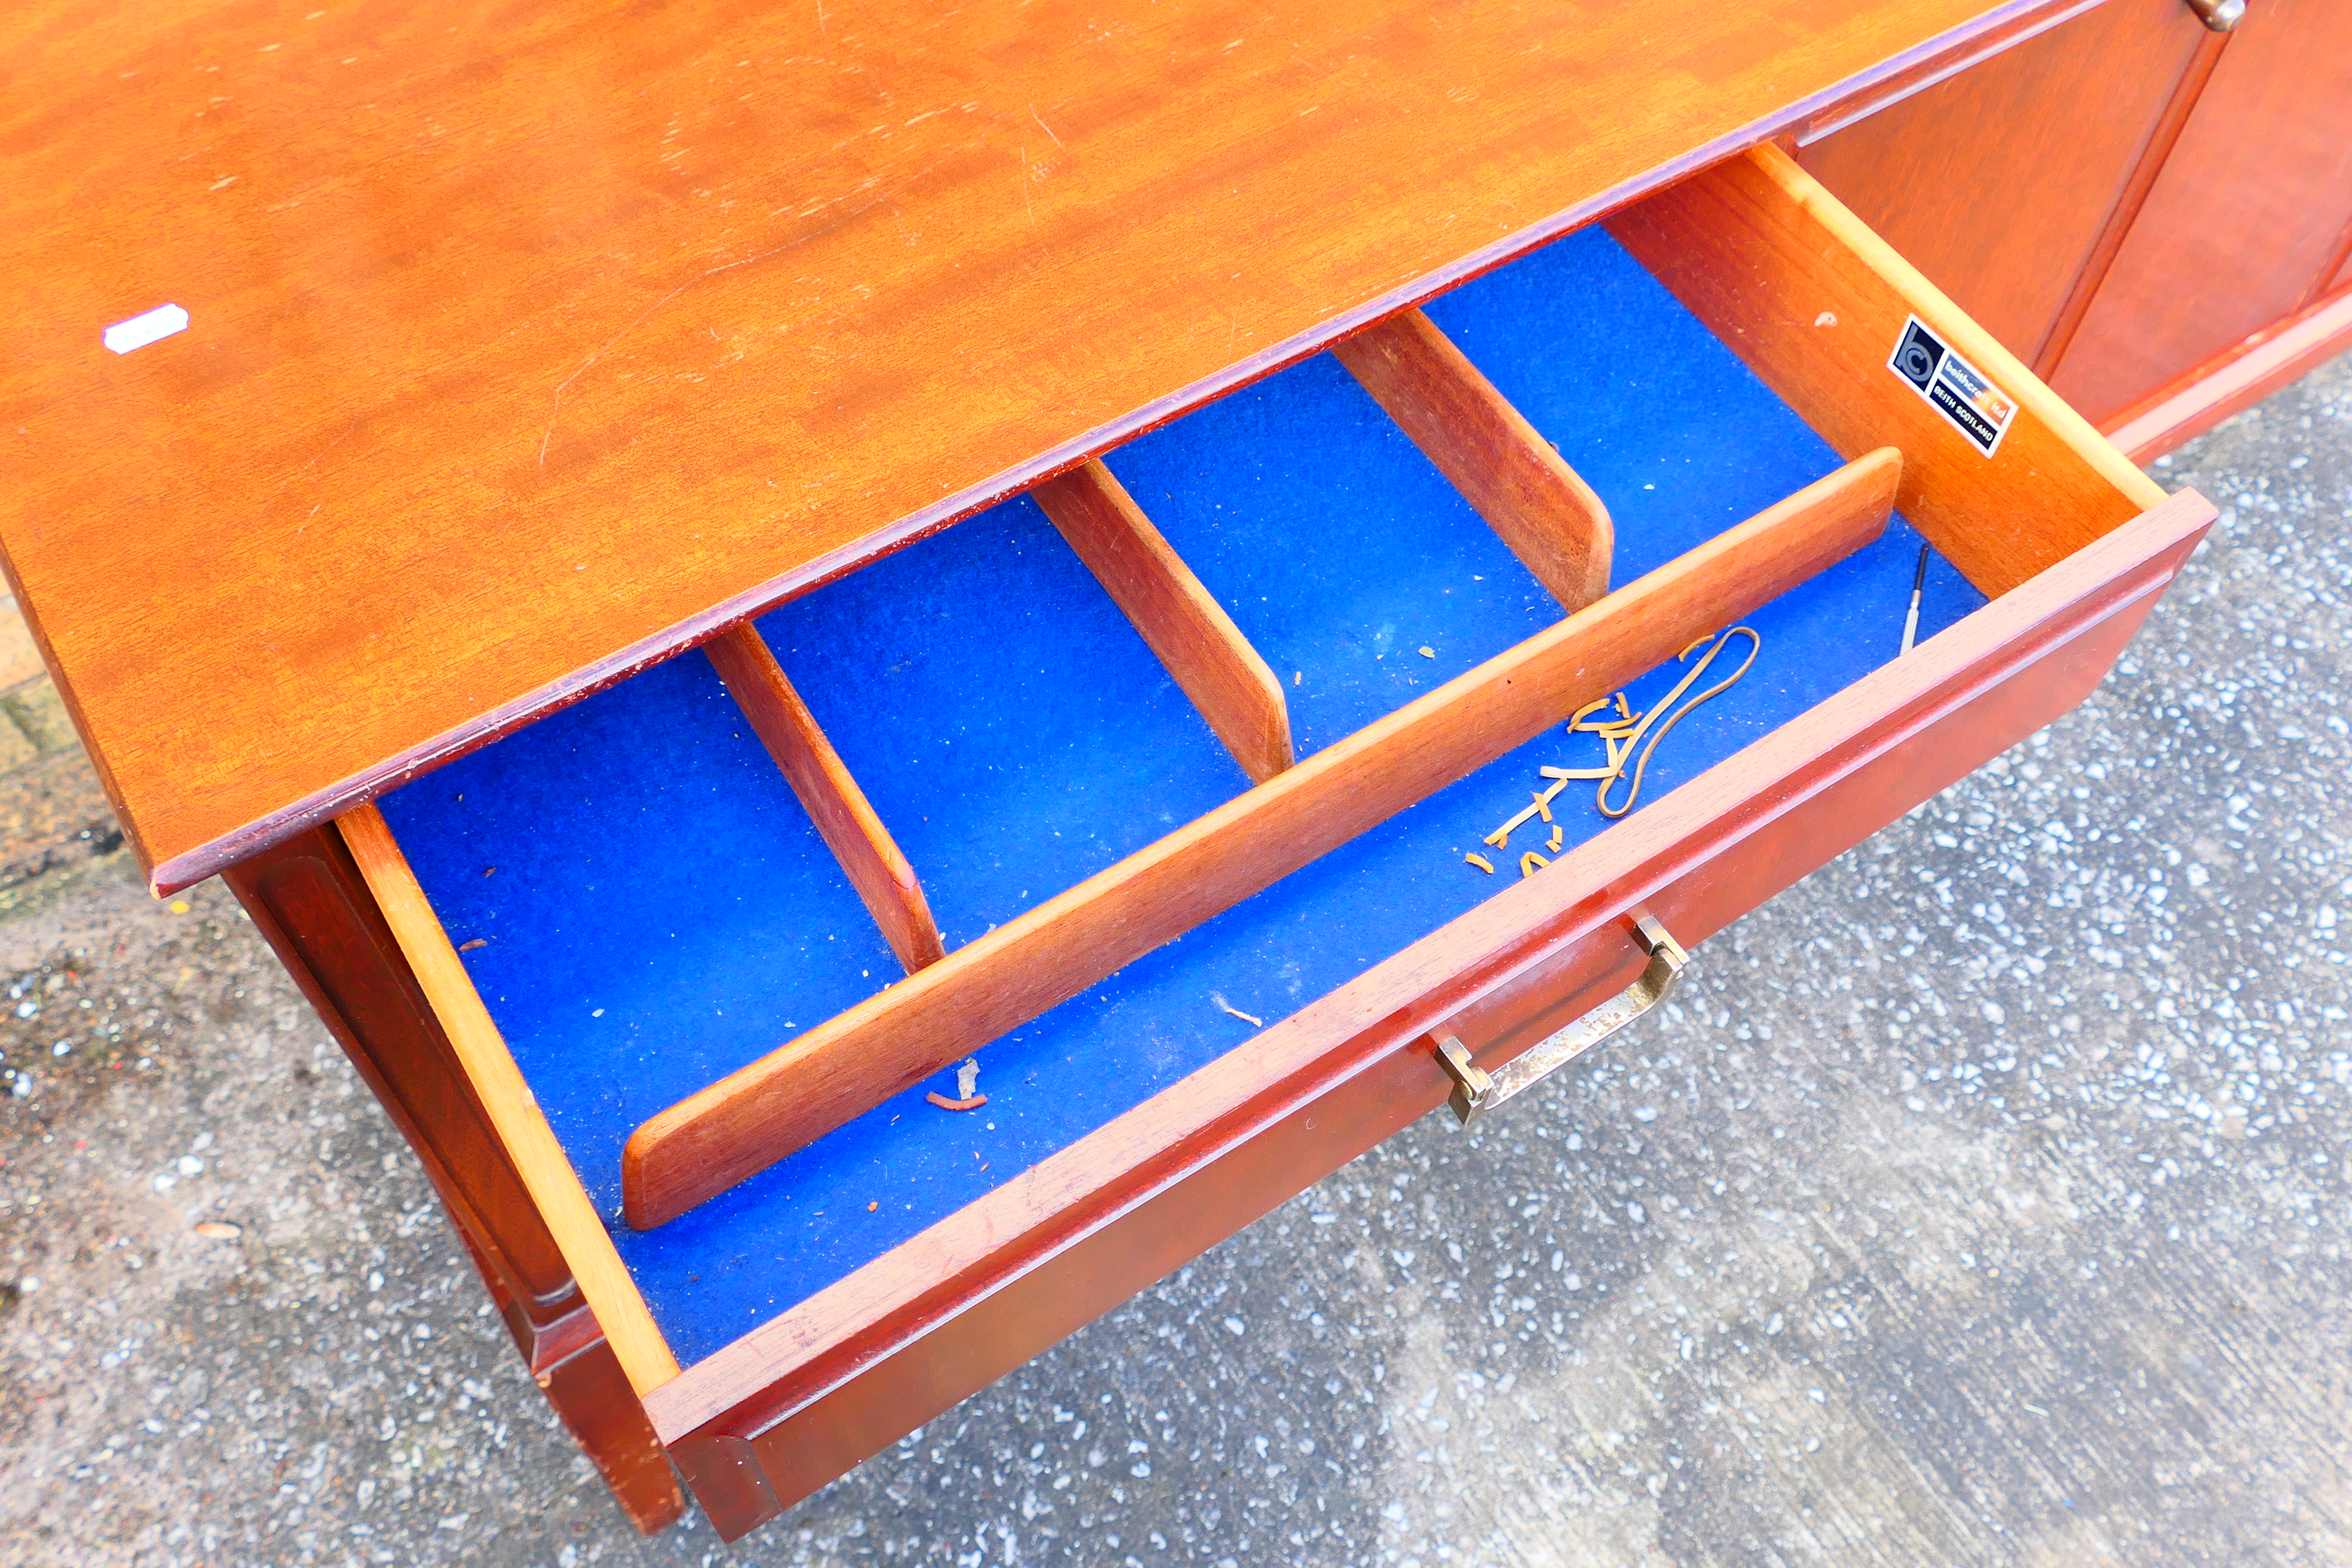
1674,715
1501,837
968,1095
1911,616
1620,734
1225,1007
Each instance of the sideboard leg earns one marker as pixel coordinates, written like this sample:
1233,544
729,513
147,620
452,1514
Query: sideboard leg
309,899
592,1393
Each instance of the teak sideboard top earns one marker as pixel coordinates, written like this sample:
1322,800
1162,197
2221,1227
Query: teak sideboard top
525,349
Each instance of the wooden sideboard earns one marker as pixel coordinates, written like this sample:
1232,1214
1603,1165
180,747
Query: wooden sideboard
2155,215
658,541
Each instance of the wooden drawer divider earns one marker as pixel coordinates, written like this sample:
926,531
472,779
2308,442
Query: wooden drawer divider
1514,478
1181,621
868,856
836,1071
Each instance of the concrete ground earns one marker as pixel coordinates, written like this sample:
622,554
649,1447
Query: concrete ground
1984,1201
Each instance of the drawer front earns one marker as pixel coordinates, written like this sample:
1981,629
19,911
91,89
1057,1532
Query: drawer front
1048,1253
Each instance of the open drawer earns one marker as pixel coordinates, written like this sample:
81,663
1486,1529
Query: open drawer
1157,791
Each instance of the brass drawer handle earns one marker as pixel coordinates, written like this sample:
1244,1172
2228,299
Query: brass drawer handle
2221,15
1477,1092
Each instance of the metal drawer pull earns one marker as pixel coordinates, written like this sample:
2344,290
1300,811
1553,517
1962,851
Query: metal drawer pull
2221,15
1477,1092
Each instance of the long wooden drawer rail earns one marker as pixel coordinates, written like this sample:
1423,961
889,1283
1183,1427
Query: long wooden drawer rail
1141,507
839,1070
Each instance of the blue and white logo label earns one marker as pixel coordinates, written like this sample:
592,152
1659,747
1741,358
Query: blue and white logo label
1957,390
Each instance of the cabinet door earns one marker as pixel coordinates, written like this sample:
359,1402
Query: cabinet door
2000,182
2247,222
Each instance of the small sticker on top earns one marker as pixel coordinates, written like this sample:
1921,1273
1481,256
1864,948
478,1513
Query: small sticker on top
1957,390
141,329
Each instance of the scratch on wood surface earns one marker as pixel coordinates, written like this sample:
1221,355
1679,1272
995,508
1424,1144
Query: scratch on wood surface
555,404
315,459
1042,125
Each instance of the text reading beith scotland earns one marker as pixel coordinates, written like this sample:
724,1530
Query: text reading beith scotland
1957,390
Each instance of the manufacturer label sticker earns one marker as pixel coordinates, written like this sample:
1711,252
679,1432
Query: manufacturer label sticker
1957,390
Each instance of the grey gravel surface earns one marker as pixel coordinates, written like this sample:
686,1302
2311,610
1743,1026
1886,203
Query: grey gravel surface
1983,1201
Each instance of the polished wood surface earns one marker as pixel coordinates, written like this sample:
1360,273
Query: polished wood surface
869,857
2245,225
308,899
1983,43
1514,479
1206,654
527,352
825,1077
505,1099
2000,183
802,1398
2093,275
528,347
592,1393
1814,302
2237,378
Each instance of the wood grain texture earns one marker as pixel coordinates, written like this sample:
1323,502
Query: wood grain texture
1205,653
599,1406
529,347
754,1117
1514,479
575,1368
848,824
520,1125
308,899
1983,44
2093,275
1999,183
2241,227
1814,302
810,1393
2239,377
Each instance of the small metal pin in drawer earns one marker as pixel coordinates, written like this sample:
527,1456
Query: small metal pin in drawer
1477,1092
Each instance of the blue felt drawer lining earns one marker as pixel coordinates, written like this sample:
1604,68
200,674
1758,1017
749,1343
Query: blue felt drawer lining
656,909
